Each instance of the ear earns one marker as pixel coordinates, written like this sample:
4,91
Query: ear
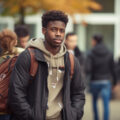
43,30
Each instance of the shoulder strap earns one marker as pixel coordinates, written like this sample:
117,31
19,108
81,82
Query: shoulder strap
71,57
34,63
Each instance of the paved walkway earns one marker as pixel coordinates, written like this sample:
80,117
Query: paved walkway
114,109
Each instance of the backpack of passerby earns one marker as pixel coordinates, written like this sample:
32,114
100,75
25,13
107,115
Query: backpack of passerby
54,93
6,68
8,41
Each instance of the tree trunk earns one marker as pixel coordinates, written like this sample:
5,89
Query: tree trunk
22,16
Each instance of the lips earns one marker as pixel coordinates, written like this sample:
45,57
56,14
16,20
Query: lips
58,40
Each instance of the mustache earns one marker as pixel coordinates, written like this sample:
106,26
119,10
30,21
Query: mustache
58,39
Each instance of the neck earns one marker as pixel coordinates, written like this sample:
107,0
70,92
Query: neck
70,49
53,50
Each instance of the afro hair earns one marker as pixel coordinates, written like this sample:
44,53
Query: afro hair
53,16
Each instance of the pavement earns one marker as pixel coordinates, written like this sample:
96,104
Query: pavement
114,109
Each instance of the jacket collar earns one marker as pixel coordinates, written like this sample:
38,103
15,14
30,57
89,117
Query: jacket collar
39,55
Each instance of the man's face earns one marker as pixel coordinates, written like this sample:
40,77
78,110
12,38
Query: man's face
54,33
71,42
23,41
93,43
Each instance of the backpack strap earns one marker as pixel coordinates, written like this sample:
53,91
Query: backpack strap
34,63
71,57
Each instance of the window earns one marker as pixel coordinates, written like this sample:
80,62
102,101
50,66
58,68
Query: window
32,29
2,26
108,6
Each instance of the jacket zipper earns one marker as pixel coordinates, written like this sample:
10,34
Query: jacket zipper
46,100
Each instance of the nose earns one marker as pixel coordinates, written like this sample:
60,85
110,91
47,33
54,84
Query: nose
58,33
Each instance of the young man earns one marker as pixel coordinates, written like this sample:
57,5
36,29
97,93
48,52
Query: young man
23,35
71,44
52,94
101,68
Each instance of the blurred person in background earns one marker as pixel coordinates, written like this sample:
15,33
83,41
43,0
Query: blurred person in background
116,90
8,41
100,65
118,69
71,44
23,35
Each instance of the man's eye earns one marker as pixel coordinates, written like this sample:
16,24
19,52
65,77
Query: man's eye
62,30
54,29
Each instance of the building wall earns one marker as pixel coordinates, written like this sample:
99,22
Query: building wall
6,22
107,23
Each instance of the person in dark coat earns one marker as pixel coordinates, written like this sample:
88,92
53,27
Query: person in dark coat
100,64
52,94
71,44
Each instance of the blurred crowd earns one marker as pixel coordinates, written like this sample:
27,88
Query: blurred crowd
99,70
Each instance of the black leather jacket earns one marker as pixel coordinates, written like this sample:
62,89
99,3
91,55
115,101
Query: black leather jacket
28,100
